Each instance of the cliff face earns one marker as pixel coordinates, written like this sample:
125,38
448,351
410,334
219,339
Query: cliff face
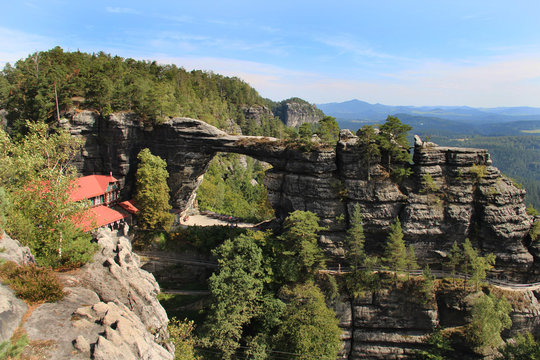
296,112
110,310
453,193
393,324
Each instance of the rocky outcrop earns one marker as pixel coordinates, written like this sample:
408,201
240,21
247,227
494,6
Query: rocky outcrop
110,311
393,323
12,309
256,113
295,112
453,193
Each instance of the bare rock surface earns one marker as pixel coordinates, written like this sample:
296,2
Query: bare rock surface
110,310
12,250
12,311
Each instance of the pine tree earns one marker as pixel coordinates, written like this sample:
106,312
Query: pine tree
356,239
152,194
427,285
329,130
394,145
395,255
454,259
490,316
367,141
411,260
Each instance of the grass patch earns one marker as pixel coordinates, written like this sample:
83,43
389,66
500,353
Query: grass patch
517,299
535,131
31,283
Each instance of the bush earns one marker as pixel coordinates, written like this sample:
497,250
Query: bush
12,350
181,335
478,171
428,184
31,283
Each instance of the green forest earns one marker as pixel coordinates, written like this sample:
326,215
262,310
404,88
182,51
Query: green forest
46,84
233,185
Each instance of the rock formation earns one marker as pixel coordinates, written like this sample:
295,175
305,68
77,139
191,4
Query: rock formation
453,193
393,324
110,310
295,112
12,309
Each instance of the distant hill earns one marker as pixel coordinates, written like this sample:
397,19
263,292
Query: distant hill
363,111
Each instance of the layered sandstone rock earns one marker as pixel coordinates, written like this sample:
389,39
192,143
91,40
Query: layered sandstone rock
453,193
393,324
295,112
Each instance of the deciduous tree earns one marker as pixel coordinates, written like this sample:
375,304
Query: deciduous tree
36,174
309,329
152,195
298,244
237,290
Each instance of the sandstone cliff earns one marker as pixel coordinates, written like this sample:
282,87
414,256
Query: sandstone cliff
453,193
393,323
295,112
110,310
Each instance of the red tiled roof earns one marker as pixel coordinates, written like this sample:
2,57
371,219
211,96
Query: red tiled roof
90,186
129,206
97,217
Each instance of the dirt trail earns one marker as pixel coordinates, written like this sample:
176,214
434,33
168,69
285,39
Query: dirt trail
204,220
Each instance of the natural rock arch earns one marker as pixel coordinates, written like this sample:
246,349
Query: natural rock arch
329,182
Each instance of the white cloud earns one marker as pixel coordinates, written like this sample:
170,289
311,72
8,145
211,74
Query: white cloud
497,82
121,10
348,44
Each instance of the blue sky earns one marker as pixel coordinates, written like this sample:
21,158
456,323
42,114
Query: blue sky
417,52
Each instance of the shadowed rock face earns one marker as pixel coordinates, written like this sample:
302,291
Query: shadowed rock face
453,193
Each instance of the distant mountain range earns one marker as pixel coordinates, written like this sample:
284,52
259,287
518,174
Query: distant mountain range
440,120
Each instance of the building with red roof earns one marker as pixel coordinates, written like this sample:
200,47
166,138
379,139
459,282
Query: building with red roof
102,191
98,189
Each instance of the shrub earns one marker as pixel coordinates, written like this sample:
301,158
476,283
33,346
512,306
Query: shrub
31,283
478,171
428,184
181,333
12,350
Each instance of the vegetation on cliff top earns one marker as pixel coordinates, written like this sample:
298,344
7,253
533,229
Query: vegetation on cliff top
32,88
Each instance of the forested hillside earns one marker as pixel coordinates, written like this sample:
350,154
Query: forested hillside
105,83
